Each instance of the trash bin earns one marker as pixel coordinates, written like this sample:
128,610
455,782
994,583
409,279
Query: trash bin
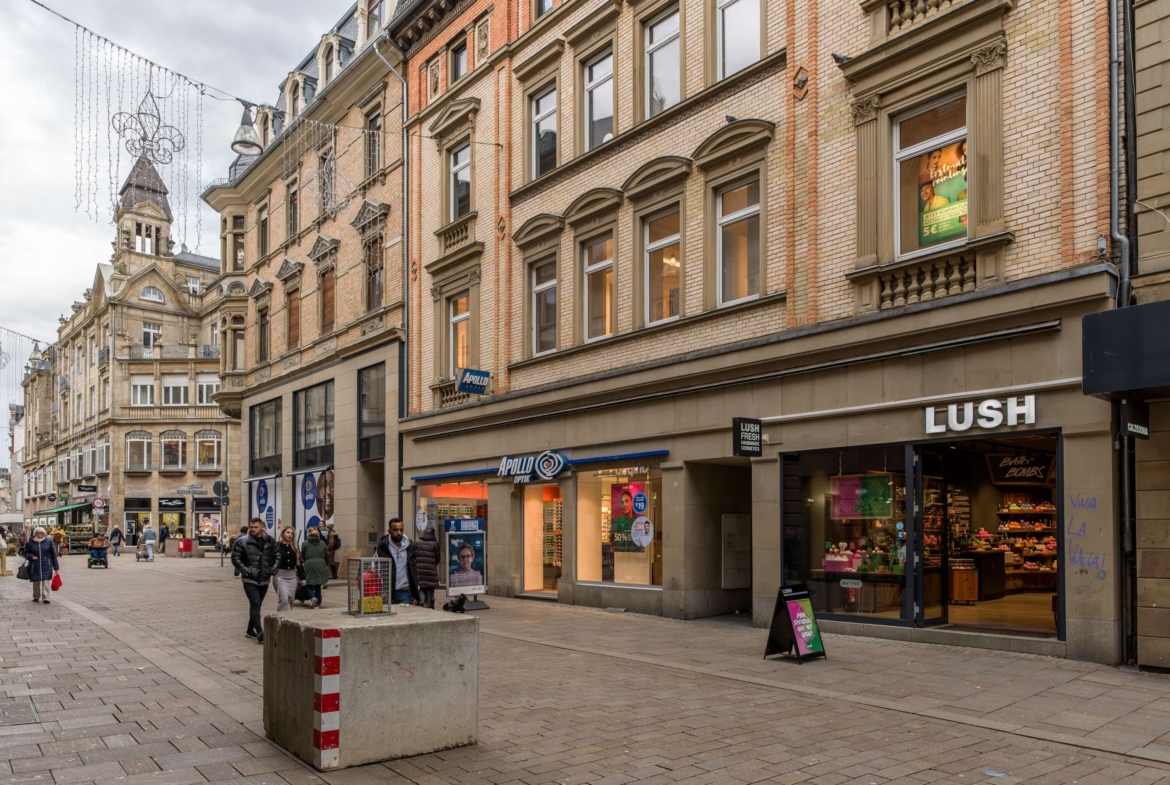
185,547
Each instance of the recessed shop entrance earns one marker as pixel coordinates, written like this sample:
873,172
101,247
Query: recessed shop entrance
543,538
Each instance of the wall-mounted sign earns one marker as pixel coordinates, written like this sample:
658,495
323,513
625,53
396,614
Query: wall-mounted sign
62,497
988,414
746,437
172,503
473,381
1135,418
1011,469
545,466
52,497
87,489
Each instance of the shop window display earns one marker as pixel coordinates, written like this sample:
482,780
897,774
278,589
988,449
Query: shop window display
543,543
619,537
450,500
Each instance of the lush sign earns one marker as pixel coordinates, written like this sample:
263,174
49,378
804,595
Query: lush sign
987,414
746,437
794,626
1010,469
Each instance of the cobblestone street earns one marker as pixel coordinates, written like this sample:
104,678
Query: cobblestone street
142,675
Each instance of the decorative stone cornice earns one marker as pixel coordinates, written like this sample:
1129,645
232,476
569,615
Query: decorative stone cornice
260,288
593,206
322,247
370,218
990,58
865,109
289,270
733,140
453,118
537,228
657,174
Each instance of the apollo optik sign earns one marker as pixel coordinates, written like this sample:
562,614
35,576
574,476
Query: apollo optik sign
545,466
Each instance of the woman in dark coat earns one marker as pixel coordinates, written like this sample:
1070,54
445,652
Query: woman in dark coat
42,564
316,571
427,558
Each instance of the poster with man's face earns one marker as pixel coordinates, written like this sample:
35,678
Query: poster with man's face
625,501
466,565
942,194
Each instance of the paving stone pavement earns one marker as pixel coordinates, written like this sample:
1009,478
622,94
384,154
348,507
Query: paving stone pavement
141,675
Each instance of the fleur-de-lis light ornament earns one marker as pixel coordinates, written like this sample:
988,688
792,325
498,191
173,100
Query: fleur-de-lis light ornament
146,134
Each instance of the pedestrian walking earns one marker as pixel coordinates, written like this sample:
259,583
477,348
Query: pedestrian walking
21,540
289,571
164,534
313,551
42,566
116,538
149,536
333,540
397,547
427,561
232,546
254,556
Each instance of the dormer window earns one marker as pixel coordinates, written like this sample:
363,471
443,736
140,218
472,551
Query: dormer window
329,64
375,17
294,105
152,294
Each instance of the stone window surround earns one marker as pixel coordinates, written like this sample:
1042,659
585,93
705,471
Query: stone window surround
592,216
452,128
539,241
453,279
536,75
650,203
589,39
646,12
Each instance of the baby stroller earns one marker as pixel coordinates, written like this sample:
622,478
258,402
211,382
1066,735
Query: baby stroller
97,556
140,552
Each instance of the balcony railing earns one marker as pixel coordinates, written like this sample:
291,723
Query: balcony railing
172,412
63,383
176,352
140,352
103,356
208,351
458,234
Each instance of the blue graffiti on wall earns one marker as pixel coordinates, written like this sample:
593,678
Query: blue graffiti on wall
1077,530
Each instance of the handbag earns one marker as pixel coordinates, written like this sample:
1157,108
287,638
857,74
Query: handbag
22,572
56,584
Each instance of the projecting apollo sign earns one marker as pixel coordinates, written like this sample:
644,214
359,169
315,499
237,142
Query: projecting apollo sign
545,466
987,414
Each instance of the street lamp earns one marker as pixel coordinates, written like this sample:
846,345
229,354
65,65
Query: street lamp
245,141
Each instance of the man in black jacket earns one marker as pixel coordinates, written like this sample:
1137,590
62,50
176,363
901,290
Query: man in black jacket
254,557
403,556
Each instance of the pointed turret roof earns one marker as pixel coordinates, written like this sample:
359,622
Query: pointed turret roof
144,185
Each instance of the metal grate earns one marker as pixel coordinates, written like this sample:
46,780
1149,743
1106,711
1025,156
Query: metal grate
369,582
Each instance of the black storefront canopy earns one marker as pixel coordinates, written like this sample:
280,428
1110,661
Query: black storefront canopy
1127,350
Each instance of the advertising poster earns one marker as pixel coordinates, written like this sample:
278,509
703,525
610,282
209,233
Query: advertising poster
794,628
863,496
466,560
942,194
804,628
314,502
625,498
265,503
207,526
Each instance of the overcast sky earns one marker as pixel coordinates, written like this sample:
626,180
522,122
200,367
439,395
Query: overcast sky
48,252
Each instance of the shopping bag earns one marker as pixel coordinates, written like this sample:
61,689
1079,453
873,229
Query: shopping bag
56,584
22,573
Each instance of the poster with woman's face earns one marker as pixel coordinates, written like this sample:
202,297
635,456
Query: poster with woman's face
627,503
942,194
465,563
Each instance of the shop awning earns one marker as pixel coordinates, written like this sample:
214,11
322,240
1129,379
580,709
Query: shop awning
310,470
66,508
260,477
1125,351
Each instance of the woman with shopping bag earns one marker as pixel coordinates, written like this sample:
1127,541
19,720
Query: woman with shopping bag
42,565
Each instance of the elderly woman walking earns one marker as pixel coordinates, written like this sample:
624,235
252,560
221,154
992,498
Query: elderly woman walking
42,565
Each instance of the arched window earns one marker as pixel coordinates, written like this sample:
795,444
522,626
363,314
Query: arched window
207,450
174,450
138,445
153,294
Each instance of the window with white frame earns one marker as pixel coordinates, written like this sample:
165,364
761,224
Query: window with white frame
544,132
151,335
460,161
193,284
662,266
544,307
63,469
738,242
459,352
662,63
90,459
174,450
138,446
105,393
93,400
141,390
930,171
92,350
153,294
207,450
78,464
174,390
103,455
206,386
737,28
598,265
598,80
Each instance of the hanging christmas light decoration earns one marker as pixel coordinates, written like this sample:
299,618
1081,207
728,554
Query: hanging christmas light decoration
146,134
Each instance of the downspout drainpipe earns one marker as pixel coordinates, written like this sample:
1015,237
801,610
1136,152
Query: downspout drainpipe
1128,610
404,348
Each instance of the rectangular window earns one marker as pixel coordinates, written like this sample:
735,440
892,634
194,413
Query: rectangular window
151,334
174,451
930,153
103,456
619,526
375,17
138,458
544,132
90,459
738,31
375,275
92,350
142,390
293,316
662,63
63,469
193,284
313,426
663,269
207,450
264,445
372,413
328,65
106,393
206,386
239,350
291,199
458,62
459,352
543,7
598,266
599,101
262,343
174,389
93,409
238,251
373,143
460,181
327,286
738,242
544,307
325,182
262,232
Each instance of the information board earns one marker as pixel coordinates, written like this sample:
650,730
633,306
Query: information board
794,627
